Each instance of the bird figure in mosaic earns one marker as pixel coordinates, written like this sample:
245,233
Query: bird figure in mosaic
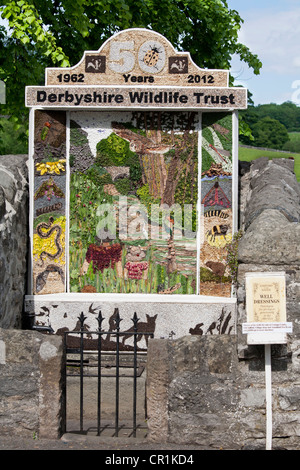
139,143
45,130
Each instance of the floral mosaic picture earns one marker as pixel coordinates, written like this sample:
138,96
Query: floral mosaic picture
132,163
136,181
49,207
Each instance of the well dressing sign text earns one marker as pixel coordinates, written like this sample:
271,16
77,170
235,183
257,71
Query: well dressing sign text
266,308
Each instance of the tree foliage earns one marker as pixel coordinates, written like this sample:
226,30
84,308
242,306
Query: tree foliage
287,113
270,133
44,33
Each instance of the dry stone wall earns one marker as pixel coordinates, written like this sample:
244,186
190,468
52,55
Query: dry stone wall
13,238
270,203
271,224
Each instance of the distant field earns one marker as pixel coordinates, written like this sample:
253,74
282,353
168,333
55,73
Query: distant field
294,136
247,155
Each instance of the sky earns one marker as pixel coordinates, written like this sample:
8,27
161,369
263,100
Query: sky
271,30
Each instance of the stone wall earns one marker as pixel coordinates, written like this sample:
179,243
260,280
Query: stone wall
210,390
13,238
31,386
201,394
199,391
271,222
202,389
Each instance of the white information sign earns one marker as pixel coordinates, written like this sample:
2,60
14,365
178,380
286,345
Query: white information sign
266,324
266,308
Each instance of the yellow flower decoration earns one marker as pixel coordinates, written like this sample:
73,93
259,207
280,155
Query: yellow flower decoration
219,242
48,244
51,167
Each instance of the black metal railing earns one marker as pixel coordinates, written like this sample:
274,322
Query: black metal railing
82,346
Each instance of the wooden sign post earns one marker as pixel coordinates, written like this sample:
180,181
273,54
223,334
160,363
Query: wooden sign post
266,324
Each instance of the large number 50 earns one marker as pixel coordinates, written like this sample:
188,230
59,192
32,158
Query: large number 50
122,60
122,56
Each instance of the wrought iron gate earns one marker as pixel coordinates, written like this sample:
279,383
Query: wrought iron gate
75,358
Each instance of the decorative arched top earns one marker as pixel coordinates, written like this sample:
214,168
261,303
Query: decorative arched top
136,68
137,57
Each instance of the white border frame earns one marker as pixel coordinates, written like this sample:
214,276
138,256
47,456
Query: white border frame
67,203
31,197
174,298
235,170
